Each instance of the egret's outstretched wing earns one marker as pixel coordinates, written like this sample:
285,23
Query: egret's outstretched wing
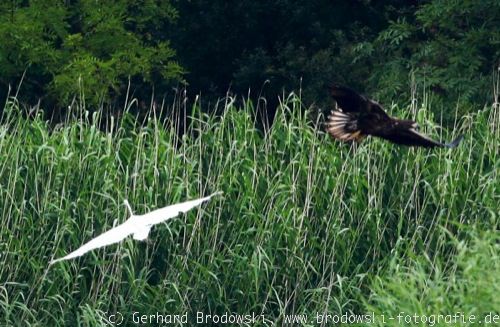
160,215
138,225
113,235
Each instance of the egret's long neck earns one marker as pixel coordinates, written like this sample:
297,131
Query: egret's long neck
128,207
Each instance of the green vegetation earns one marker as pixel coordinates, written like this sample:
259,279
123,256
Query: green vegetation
305,224
419,285
450,48
61,50
146,47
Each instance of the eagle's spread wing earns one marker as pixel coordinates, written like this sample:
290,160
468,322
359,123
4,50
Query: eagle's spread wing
410,137
348,100
351,101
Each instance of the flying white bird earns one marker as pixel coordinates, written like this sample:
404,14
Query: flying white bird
137,225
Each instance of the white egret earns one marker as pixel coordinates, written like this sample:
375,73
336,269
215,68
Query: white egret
137,225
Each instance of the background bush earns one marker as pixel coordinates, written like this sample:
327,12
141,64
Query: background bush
256,48
87,49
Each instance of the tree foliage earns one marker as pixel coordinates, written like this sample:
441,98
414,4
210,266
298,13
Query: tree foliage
90,47
450,47
94,48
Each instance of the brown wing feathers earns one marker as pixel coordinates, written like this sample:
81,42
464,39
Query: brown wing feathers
347,99
410,137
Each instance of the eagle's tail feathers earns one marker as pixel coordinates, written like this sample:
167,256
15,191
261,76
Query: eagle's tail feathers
343,126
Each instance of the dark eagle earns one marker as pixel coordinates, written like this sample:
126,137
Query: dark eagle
359,116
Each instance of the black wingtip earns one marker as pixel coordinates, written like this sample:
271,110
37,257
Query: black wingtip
455,142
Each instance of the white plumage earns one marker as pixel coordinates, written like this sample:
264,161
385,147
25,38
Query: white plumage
137,225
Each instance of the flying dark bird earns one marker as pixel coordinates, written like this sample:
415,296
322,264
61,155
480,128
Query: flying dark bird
357,117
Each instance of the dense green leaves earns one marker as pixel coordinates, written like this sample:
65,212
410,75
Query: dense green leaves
85,49
306,225
92,49
450,48
420,288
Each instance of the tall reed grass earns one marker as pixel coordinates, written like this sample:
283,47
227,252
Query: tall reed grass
305,225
